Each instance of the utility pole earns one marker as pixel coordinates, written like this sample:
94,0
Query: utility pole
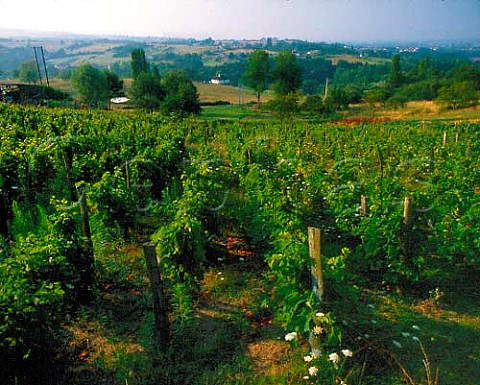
45,66
326,89
38,64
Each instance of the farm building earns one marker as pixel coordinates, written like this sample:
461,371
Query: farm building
219,79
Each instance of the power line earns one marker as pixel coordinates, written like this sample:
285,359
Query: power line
35,49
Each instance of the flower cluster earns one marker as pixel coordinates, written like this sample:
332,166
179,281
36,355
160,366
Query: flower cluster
334,358
290,336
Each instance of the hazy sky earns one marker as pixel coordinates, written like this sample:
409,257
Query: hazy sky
315,20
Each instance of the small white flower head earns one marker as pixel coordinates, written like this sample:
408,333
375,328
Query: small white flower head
320,314
290,336
416,339
342,382
397,344
306,377
406,335
373,322
347,352
317,330
313,371
370,306
416,327
308,358
334,357
316,353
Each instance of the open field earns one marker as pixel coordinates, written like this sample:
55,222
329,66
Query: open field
421,110
356,59
234,95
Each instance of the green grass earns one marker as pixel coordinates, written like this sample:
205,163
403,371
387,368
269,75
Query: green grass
235,112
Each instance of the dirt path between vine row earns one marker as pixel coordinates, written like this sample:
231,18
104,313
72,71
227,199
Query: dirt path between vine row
108,338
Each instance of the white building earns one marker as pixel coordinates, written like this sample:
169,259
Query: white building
219,79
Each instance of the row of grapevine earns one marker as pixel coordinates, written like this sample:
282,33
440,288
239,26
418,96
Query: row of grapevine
66,175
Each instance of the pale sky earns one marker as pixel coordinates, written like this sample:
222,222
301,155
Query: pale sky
314,20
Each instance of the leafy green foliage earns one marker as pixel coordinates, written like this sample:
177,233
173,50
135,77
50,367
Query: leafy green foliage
257,74
287,74
138,62
458,95
28,72
181,94
147,91
91,84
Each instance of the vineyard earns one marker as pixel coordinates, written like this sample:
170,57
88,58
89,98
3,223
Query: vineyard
226,205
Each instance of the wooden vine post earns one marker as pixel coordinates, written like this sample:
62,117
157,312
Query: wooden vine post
315,248
363,206
314,244
85,265
407,232
160,304
407,210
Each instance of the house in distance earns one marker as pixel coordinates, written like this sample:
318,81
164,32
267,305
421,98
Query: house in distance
219,79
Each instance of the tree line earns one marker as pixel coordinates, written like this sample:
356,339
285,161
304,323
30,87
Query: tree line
452,81
174,93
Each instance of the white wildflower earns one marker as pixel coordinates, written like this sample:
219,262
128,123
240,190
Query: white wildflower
334,357
313,371
290,336
306,377
416,339
416,327
397,344
317,330
308,358
347,353
370,306
320,314
406,335
373,322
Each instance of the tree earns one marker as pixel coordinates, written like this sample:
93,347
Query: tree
115,84
288,74
467,73
337,98
138,62
147,91
181,94
458,95
395,77
28,72
377,95
91,84
258,72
